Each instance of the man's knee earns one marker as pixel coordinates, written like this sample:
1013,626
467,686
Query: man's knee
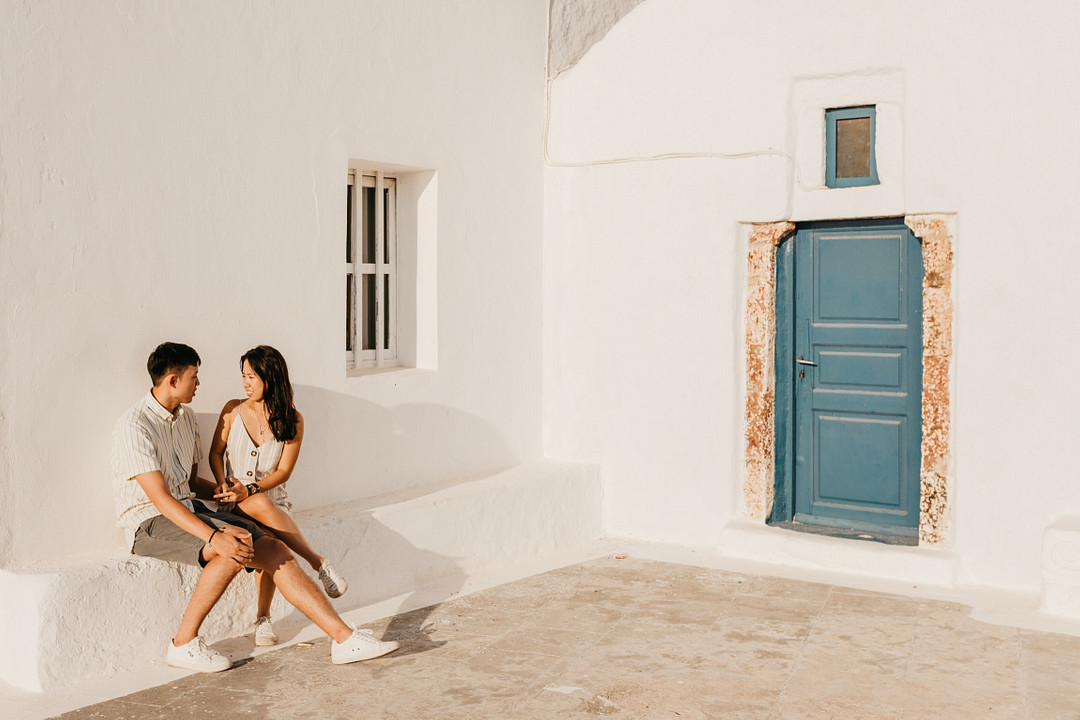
221,564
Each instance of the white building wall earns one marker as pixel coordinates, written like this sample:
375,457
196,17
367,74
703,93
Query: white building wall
644,268
176,171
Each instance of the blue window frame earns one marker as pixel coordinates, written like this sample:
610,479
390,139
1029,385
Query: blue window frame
850,137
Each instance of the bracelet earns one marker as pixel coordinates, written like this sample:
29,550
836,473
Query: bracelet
252,488
216,531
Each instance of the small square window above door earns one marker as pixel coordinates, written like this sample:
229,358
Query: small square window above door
850,136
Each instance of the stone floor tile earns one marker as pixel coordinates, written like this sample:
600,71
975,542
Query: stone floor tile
1052,678
412,622
560,642
516,607
644,643
965,651
869,631
491,680
720,579
676,611
650,697
951,618
938,693
781,632
775,587
537,588
476,619
830,675
973,710
765,649
592,679
114,710
584,610
718,688
1050,644
833,708
942,624
438,643
209,701
1051,706
785,608
693,584
164,694
843,602
1050,663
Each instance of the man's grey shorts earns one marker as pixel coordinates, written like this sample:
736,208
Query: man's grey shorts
159,537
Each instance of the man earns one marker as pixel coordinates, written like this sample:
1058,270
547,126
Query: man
155,477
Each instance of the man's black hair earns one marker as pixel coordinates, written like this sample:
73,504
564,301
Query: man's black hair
169,358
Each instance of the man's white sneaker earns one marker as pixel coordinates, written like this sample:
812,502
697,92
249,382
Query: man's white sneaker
361,646
196,656
264,632
332,580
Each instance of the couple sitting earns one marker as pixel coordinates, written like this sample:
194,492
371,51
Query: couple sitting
155,458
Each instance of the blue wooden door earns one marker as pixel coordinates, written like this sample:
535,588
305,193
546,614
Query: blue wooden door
857,377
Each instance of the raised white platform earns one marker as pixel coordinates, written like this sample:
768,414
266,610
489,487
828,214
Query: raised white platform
70,623
797,550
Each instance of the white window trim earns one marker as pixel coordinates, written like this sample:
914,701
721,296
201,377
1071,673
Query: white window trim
384,269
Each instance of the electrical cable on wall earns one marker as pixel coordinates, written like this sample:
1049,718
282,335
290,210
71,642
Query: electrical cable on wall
658,157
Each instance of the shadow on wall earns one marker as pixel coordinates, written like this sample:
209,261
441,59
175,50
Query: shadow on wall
356,449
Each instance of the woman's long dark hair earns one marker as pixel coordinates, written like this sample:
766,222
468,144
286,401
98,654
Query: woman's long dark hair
270,366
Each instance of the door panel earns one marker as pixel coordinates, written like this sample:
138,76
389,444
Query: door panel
857,460
858,277
857,377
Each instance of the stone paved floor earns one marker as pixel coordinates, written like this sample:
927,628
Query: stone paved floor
641,639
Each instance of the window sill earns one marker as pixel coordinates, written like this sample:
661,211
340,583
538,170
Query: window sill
393,369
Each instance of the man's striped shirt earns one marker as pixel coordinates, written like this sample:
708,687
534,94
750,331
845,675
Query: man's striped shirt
148,437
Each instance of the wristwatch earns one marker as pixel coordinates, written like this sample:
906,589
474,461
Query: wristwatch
253,488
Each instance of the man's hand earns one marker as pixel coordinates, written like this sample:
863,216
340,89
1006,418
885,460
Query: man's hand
204,489
233,543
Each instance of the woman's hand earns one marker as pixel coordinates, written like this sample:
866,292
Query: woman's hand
231,492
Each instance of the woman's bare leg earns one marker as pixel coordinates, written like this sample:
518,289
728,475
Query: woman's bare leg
266,512
266,592
273,557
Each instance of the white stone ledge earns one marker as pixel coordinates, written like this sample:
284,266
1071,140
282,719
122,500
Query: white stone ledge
82,620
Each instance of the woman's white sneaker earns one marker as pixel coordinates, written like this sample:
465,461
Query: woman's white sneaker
264,633
332,580
196,656
362,645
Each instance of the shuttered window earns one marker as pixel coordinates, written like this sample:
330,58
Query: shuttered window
371,271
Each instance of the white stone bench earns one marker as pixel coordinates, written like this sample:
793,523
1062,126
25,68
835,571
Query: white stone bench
1061,568
79,621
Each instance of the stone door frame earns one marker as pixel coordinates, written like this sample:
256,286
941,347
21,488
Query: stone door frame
934,231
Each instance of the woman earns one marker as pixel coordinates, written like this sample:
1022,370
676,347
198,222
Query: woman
255,447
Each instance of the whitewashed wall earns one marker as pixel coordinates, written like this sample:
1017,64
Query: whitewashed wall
644,269
176,171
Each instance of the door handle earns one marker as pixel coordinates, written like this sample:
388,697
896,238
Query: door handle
801,361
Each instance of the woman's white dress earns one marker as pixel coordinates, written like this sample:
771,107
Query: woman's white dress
248,462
